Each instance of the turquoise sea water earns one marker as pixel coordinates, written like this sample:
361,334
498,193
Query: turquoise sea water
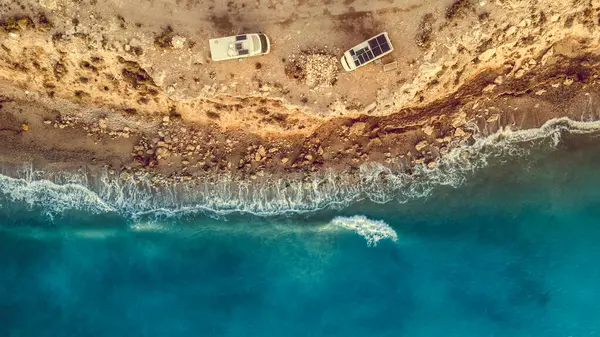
513,251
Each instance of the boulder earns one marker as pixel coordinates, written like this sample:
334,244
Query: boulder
487,55
262,151
421,145
102,123
162,152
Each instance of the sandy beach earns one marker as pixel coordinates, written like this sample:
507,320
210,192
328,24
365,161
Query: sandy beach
130,86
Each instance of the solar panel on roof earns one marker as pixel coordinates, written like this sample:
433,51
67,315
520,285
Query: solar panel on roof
373,43
384,47
371,50
241,37
243,52
376,51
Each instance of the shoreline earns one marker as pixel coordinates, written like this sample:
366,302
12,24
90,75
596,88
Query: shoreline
175,150
137,198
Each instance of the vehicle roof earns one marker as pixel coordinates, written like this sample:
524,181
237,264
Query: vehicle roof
231,46
372,49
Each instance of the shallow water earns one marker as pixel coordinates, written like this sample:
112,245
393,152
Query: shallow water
512,252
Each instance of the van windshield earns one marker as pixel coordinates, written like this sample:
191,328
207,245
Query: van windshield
264,44
256,44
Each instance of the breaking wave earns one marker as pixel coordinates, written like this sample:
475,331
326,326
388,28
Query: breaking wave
52,197
136,197
372,230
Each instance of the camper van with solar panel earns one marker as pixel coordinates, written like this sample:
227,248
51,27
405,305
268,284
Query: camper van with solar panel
367,52
239,46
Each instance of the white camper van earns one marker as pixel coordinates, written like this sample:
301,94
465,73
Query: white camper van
239,46
367,52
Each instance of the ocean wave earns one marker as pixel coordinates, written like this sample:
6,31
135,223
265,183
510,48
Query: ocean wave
372,230
51,197
223,195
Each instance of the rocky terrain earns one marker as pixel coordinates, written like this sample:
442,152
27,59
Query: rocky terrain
89,85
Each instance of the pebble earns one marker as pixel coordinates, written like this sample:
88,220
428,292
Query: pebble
102,123
421,145
460,133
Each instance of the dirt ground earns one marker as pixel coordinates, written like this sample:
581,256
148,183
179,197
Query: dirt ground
330,27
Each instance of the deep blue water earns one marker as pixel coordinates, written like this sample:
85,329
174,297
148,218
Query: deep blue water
515,251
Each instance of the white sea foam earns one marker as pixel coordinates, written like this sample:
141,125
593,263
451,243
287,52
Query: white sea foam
372,230
153,227
51,197
274,196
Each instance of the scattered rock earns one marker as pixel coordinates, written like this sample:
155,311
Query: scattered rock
511,30
421,145
102,123
314,68
493,118
428,130
459,119
487,55
162,152
489,88
443,139
459,133
262,151
357,128
178,42
520,73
